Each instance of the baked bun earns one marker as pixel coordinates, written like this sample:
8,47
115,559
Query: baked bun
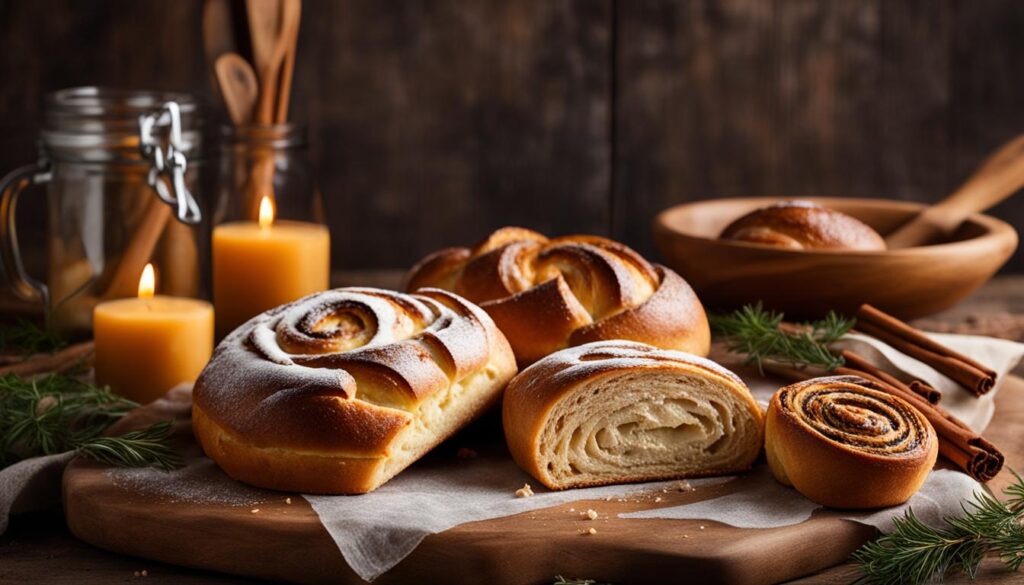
549,294
845,444
802,225
338,392
618,411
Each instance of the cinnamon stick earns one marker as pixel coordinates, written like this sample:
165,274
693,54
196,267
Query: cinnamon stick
967,372
59,362
957,442
925,391
917,387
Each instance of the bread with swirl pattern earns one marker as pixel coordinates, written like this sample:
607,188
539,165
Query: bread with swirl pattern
619,411
341,390
549,294
844,443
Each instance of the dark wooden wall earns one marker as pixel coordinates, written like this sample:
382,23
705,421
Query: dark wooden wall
435,121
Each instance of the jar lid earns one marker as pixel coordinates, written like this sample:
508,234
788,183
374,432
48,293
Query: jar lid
97,124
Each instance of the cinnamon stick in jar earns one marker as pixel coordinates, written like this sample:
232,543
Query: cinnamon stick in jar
970,374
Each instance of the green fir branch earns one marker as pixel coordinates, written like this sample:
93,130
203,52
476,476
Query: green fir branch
26,338
58,413
914,553
761,336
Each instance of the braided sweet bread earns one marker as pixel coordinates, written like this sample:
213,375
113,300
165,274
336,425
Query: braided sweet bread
548,294
844,444
341,390
619,411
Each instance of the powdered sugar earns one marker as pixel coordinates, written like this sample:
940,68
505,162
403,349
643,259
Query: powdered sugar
584,359
202,482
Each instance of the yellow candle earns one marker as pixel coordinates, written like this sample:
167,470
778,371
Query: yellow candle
258,266
148,345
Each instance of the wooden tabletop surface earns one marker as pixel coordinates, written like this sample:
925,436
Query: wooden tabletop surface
38,548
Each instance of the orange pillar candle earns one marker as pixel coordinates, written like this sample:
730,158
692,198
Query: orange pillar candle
258,266
148,345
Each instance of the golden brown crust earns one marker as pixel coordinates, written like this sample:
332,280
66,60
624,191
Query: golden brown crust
561,380
803,226
548,294
671,318
844,444
337,380
441,268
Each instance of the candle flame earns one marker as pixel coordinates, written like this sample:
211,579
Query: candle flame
266,212
147,283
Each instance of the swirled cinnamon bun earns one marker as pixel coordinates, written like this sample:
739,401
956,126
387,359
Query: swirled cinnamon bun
619,411
341,390
549,294
844,444
802,225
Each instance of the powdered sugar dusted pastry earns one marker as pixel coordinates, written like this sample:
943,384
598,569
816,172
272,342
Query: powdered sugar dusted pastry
802,225
341,390
619,411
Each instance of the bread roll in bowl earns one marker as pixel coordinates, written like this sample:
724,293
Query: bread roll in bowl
549,294
618,411
338,392
845,444
802,225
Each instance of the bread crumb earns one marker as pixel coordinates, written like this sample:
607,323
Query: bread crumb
658,499
254,511
592,531
144,573
702,527
466,453
684,486
525,491
686,536
288,501
572,509
590,514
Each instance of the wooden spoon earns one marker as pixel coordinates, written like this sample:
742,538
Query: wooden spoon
1001,175
270,74
264,25
238,85
292,12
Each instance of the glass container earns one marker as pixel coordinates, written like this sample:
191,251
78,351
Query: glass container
124,181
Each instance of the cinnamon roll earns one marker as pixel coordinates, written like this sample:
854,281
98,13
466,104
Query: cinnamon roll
802,225
341,390
845,444
549,294
618,411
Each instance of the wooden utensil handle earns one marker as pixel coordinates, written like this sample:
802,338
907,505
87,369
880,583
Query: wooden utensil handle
1001,175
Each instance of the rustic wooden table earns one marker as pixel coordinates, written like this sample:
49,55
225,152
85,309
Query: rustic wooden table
38,548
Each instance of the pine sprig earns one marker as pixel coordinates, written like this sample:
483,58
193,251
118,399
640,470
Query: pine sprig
914,553
58,413
27,338
143,448
761,335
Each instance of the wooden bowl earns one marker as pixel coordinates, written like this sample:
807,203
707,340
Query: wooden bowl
909,282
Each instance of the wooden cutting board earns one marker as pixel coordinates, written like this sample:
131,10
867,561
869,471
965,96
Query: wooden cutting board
287,542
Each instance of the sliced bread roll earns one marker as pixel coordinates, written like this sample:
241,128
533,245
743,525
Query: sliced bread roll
618,411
